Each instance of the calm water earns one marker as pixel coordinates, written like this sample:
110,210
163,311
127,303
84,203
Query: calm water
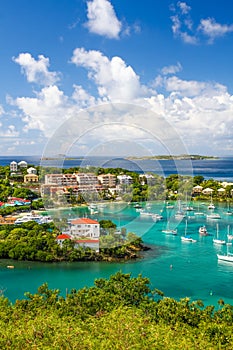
195,271
221,168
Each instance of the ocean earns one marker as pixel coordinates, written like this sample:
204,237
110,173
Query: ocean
177,268
220,169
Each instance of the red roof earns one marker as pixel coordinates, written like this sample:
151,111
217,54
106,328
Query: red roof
84,221
63,236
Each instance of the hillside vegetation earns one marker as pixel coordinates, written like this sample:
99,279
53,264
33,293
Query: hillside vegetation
121,312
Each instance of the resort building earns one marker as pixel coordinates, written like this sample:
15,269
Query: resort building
125,179
60,179
107,180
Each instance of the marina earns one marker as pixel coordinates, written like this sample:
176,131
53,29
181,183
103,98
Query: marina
196,267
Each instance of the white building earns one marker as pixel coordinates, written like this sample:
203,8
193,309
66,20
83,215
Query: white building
125,179
85,227
84,232
13,166
22,164
32,170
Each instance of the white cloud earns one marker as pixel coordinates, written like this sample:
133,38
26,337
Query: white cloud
114,79
44,112
102,19
182,26
171,69
183,7
212,29
190,87
36,71
201,112
82,97
9,132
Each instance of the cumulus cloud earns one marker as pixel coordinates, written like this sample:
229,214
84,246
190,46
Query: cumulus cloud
102,19
183,28
195,109
113,78
36,71
213,30
82,97
46,111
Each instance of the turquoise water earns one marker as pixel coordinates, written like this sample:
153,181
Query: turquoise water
178,269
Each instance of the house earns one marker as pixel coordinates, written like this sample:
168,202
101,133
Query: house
208,191
22,164
31,170
13,166
221,191
62,237
197,189
30,178
84,227
84,232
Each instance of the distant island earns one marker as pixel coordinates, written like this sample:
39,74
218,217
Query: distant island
178,157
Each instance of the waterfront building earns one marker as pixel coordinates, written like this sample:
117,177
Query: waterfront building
85,228
84,232
107,180
60,179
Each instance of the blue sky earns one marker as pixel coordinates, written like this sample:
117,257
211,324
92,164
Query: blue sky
60,57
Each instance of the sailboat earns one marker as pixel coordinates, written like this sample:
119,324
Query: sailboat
229,236
228,212
217,240
169,231
226,257
198,212
186,238
179,214
211,205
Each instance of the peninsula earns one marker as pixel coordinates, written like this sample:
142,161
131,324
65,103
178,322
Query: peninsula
171,157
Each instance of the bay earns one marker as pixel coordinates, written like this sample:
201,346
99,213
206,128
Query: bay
178,269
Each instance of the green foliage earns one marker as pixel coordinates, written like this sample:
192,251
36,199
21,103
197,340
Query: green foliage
107,224
116,313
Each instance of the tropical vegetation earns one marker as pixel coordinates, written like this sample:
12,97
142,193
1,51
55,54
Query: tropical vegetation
34,242
122,312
